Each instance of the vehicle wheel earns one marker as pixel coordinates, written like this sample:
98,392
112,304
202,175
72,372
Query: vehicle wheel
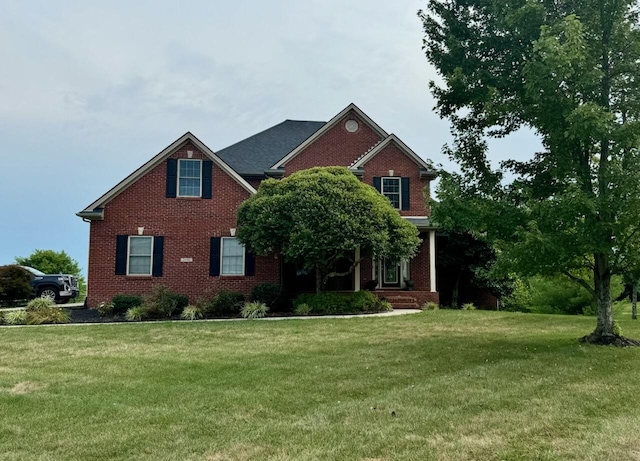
49,293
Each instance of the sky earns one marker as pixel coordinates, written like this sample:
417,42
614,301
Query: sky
89,91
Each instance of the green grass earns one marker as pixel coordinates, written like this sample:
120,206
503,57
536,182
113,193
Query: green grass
437,385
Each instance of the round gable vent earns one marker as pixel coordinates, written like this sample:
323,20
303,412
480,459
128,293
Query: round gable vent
351,126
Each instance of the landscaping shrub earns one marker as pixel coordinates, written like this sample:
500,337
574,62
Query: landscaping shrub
43,310
365,301
163,303
468,307
302,309
267,293
192,313
18,317
105,309
121,303
15,284
1,317
222,304
430,306
385,306
340,303
254,310
136,314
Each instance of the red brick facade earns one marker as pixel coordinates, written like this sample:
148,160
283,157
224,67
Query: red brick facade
187,224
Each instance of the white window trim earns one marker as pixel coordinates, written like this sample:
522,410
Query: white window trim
244,259
399,178
178,178
153,241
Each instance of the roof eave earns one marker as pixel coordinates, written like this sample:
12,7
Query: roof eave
92,215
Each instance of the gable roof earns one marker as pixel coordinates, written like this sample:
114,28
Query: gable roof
95,210
254,155
326,127
364,158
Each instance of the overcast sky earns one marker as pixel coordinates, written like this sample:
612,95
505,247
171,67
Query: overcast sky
89,91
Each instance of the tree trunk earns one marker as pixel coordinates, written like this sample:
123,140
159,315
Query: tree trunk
454,293
318,279
634,300
603,334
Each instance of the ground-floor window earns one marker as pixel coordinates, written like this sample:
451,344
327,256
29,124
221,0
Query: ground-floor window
140,255
232,257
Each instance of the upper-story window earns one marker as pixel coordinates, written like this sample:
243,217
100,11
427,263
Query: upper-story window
391,189
140,255
189,178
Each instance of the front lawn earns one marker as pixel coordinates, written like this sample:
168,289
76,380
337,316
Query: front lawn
437,385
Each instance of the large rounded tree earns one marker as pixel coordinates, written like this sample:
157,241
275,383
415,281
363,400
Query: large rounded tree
318,216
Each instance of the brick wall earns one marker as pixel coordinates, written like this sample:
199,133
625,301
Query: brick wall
186,224
336,147
392,158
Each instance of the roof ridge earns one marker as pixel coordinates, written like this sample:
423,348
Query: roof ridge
365,153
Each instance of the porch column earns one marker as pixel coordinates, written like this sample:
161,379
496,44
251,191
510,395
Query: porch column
432,260
356,272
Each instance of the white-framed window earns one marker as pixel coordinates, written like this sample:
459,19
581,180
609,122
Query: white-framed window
231,257
189,178
391,188
139,255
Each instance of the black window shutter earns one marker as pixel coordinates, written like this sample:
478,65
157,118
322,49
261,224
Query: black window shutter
377,183
207,167
405,194
249,264
158,256
121,254
214,256
172,177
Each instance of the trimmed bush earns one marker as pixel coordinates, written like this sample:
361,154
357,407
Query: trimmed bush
121,303
223,304
468,307
267,293
254,310
136,314
163,303
15,284
15,317
385,306
340,303
192,313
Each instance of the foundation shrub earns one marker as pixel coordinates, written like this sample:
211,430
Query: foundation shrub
221,304
121,303
164,303
254,310
340,303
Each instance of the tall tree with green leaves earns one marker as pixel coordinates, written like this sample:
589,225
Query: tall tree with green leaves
318,216
570,71
50,262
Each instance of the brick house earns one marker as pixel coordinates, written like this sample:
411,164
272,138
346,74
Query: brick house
172,221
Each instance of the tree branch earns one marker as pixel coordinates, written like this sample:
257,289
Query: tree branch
580,282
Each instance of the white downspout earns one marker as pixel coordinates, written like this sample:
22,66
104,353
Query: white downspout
432,260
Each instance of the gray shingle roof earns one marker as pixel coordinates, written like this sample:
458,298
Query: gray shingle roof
254,155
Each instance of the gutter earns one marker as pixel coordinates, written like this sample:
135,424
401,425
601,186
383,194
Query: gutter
91,215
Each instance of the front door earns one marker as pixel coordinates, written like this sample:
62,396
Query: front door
390,274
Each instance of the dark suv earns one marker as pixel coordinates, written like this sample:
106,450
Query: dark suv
59,288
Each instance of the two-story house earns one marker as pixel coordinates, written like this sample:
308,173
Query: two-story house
173,220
